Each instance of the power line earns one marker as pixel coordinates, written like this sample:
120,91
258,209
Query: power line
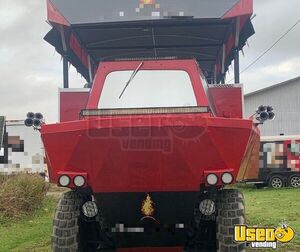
270,48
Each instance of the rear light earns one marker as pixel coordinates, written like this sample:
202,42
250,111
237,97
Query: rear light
207,207
64,181
79,181
227,178
212,179
90,209
72,179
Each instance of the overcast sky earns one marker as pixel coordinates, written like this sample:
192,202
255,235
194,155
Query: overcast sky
31,71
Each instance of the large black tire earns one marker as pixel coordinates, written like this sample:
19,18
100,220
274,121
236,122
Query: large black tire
65,236
231,212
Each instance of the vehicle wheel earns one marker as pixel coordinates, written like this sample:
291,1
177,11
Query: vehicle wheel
276,182
294,181
231,212
65,236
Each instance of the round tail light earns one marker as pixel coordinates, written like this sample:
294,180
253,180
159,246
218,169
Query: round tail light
79,181
227,178
212,179
64,180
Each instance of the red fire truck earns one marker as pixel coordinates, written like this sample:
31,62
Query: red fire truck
148,149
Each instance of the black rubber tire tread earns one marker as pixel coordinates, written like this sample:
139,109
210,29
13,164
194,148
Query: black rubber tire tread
65,235
231,212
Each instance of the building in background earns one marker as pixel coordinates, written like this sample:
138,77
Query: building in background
285,99
22,149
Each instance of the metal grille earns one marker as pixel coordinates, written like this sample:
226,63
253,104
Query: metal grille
2,124
143,111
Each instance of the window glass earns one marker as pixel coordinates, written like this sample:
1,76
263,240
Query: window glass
149,88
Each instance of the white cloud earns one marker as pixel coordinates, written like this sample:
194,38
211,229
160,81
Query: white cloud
6,55
273,73
10,12
274,18
286,68
30,71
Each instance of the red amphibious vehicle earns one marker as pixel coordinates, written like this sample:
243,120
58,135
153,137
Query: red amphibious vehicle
148,147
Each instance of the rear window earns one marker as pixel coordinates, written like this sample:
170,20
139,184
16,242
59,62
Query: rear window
148,89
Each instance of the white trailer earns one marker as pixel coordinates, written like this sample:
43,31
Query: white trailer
22,150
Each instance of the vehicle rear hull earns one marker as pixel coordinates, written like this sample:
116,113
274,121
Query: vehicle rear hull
147,154
163,157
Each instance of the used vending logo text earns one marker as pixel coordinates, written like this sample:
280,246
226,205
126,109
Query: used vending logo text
263,237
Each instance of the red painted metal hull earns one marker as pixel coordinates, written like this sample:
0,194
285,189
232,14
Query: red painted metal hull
142,154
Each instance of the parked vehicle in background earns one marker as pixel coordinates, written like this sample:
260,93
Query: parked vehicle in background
279,162
22,149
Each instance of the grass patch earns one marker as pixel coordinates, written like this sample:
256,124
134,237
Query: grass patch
32,233
269,207
21,194
265,207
